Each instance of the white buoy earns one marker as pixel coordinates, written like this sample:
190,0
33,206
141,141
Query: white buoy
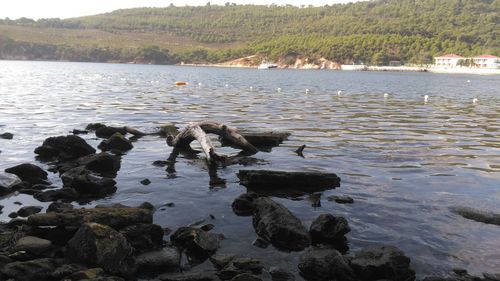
386,95
339,93
474,100
426,98
278,90
307,91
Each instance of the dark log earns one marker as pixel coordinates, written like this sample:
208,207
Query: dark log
304,181
300,150
262,139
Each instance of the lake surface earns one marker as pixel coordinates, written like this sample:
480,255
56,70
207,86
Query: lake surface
405,162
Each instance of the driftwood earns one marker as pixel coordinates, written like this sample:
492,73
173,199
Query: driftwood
262,139
198,131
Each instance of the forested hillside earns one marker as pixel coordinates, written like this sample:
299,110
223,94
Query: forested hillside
372,32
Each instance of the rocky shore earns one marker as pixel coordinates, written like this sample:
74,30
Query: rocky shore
119,242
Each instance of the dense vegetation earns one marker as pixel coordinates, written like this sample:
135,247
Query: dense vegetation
372,32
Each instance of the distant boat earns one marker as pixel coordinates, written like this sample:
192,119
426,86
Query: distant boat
267,65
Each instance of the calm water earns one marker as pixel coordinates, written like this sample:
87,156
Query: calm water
403,161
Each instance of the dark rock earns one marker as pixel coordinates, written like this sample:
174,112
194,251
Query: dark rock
195,276
27,172
94,126
42,186
382,262
107,131
87,274
324,264
163,260
18,203
279,274
6,136
168,129
28,191
113,217
492,276
85,182
199,244
246,277
145,182
79,132
239,266
276,224
58,235
13,215
66,270
59,207
29,210
260,243
147,206
33,270
144,237
64,194
207,227
4,260
33,245
328,229
64,148
8,183
102,163
477,215
100,245
116,141
243,205
264,181
220,261
341,199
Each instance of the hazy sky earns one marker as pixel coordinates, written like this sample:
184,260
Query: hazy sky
73,8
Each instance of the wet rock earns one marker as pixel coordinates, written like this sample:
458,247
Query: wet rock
42,186
64,194
116,142
108,131
324,264
302,181
163,260
243,205
198,244
207,227
13,215
382,262
280,274
94,126
64,148
145,182
29,210
85,182
168,129
102,163
79,132
477,215
195,276
276,224
66,270
59,207
221,260
113,217
58,236
328,229
492,276
33,245
4,260
87,274
260,243
27,172
246,277
8,183
144,237
341,199
239,266
33,270
6,136
97,244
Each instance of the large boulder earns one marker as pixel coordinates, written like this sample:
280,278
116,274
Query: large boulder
101,245
33,245
198,244
116,142
28,172
87,183
8,183
144,237
276,224
162,260
6,136
324,264
102,163
477,215
64,148
243,205
238,266
280,274
328,229
33,270
27,211
64,194
382,262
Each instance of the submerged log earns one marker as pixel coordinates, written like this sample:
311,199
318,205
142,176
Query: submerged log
198,131
304,181
261,139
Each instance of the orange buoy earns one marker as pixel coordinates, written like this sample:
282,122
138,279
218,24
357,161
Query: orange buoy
180,83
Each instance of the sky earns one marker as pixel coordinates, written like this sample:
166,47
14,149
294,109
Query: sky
36,9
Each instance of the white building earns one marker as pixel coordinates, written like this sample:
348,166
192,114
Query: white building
450,60
487,61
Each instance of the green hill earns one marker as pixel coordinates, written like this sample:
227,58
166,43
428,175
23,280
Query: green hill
411,31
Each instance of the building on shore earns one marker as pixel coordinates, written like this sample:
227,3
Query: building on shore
453,60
